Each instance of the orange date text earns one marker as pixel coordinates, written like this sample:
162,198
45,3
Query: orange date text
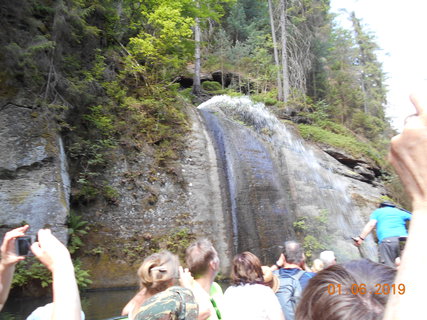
361,288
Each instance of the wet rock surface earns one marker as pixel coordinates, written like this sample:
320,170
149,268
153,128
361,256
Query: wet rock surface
34,183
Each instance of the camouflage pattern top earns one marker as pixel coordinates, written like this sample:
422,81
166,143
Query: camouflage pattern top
175,303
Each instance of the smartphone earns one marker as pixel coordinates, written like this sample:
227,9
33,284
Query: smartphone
23,245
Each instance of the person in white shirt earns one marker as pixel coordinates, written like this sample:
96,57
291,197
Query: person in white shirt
249,297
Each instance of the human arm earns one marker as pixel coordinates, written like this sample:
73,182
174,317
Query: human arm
186,280
408,157
279,263
9,259
306,267
366,230
55,256
133,305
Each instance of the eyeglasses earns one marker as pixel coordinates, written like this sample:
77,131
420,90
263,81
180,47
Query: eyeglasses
218,313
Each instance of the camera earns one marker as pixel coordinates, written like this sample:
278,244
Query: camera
23,245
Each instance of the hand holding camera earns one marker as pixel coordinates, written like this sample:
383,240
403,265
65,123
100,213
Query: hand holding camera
9,250
23,246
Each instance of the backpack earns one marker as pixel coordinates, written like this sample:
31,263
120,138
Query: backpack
175,303
289,293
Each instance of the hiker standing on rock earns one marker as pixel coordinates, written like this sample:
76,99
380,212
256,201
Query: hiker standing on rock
391,225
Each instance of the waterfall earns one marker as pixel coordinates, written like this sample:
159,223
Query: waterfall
273,177
66,184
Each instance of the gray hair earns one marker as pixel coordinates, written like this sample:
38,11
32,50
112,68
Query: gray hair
293,252
328,258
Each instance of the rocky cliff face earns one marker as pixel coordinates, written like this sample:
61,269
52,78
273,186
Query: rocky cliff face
34,182
248,191
156,208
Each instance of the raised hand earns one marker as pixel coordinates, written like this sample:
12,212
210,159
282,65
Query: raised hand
50,251
408,153
9,258
8,249
185,278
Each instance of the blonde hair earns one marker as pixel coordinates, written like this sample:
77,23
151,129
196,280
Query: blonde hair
159,271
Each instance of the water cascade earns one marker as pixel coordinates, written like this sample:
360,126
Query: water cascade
66,183
273,178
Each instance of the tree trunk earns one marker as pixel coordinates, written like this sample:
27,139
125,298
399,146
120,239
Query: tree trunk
284,52
276,53
196,81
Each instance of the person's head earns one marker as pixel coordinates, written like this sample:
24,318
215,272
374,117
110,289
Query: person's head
294,253
201,257
319,303
328,258
246,269
159,271
317,265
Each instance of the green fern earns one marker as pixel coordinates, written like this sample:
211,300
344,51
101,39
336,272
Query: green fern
77,227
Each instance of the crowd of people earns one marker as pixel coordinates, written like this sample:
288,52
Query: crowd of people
359,289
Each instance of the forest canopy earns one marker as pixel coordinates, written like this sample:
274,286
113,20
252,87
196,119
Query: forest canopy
111,71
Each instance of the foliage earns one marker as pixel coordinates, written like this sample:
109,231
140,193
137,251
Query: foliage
177,241
211,85
370,70
396,190
163,44
300,225
313,232
269,98
77,228
8,316
156,118
370,126
82,275
99,117
96,56
245,17
346,142
110,193
31,270
312,246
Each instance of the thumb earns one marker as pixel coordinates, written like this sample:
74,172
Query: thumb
36,249
419,101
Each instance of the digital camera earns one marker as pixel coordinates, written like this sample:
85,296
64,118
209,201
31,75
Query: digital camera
23,245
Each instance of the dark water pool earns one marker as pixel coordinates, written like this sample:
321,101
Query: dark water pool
97,305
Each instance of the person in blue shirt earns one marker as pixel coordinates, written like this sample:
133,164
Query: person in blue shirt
291,269
390,223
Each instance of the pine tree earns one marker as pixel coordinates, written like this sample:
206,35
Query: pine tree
370,71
